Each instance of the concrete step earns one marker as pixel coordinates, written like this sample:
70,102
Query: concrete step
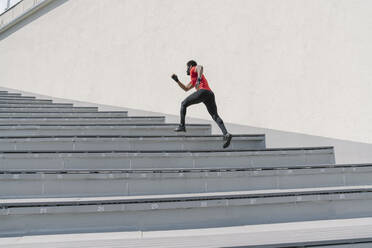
340,233
165,159
26,101
182,211
140,143
49,110
82,121
35,105
75,183
9,94
100,114
9,97
102,129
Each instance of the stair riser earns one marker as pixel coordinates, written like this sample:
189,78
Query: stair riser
41,110
64,115
52,105
159,160
83,121
103,130
143,144
183,214
68,185
10,97
25,101
10,94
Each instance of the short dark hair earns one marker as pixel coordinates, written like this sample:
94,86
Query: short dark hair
191,63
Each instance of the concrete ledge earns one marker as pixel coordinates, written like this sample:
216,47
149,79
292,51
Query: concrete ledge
68,183
82,121
100,114
9,94
52,109
26,101
102,129
354,233
143,143
343,232
9,97
325,192
35,105
182,210
164,159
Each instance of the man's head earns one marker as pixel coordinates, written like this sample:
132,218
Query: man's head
189,65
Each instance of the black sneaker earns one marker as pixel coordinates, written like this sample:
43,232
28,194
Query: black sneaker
180,129
227,137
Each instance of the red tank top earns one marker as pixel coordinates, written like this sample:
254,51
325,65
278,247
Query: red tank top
194,76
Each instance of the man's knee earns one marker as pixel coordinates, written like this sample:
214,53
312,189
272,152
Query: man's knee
184,104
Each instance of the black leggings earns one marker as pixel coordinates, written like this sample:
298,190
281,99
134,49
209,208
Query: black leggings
206,97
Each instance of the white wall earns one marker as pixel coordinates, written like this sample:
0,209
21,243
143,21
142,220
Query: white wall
293,65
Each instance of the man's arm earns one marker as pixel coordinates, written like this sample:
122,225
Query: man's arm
199,70
182,86
185,87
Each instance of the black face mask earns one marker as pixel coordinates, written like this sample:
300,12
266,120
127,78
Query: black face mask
188,70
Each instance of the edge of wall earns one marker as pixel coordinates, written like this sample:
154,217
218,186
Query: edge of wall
24,14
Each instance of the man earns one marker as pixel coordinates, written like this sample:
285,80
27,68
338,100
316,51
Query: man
203,94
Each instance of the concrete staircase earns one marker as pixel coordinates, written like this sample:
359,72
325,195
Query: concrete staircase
66,169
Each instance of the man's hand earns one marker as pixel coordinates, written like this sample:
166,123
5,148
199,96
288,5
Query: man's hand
175,78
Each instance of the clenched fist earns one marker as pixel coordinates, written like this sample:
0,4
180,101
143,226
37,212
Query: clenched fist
175,78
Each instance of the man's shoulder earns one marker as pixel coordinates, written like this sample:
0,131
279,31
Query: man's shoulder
193,69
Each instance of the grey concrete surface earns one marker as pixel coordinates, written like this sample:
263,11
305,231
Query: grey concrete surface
139,143
26,101
167,212
100,114
50,176
62,183
82,121
348,233
52,109
34,105
346,151
164,159
9,94
101,129
9,97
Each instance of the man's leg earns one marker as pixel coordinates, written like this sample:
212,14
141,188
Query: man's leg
210,103
194,98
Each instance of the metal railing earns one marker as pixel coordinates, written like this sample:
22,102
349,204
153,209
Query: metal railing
7,4
18,11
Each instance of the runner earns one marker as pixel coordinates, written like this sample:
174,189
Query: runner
203,94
